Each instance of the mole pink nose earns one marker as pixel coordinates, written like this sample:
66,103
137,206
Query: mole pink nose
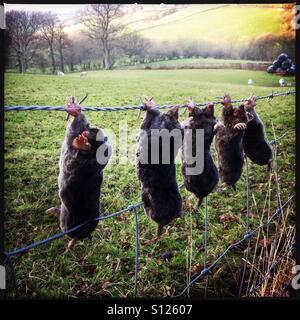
85,133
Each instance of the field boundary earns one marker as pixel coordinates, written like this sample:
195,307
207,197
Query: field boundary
133,208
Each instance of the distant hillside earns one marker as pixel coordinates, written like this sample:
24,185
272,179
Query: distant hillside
233,24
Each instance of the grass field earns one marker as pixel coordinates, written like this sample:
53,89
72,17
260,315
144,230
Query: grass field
203,63
213,23
104,265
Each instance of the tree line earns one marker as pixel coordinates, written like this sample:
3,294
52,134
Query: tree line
39,40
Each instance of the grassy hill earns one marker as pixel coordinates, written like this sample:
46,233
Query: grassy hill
202,63
213,22
220,23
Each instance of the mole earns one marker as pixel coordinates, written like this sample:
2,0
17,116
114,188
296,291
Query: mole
160,192
80,174
202,184
256,146
229,141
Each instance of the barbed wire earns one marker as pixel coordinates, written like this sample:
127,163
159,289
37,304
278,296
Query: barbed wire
9,255
130,208
138,107
133,208
289,251
247,236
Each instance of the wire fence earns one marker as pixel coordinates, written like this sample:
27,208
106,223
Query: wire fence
273,266
133,208
139,107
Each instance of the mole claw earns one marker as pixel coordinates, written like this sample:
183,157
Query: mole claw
54,211
71,244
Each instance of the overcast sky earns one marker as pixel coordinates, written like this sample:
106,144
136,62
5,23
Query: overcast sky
64,11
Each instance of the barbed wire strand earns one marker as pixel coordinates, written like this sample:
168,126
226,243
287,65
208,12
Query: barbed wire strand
136,252
13,273
291,249
138,107
247,222
130,208
247,236
205,240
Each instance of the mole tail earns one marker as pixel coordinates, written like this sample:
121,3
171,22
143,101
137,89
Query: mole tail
234,187
54,211
269,165
160,230
199,202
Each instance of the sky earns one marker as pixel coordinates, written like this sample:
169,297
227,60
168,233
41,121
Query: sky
64,11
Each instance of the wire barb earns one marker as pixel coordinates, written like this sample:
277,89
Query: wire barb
139,107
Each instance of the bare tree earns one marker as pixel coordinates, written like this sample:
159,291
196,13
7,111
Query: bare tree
48,30
102,26
134,46
22,28
63,42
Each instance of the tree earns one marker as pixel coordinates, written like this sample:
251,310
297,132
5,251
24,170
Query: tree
48,30
100,21
7,51
63,42
22,31
288,18
133,45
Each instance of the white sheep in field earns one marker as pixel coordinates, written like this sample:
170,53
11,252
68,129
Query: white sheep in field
83,74
281,82
250,82
60,73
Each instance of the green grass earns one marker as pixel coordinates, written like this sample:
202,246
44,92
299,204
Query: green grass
104,266
186,63
217,24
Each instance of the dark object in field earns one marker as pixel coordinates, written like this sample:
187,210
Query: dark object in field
291,71
286,64
283,65
279,70
271,69
229,141
80,175
201,185
160,193
167,256
256,147
282,57
276,64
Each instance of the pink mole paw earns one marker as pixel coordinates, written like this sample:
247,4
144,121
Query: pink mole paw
240,126
73,108
54,211
187,123
81,143
71,244
219,125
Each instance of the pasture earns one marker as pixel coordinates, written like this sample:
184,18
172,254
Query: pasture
195,22
104,265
